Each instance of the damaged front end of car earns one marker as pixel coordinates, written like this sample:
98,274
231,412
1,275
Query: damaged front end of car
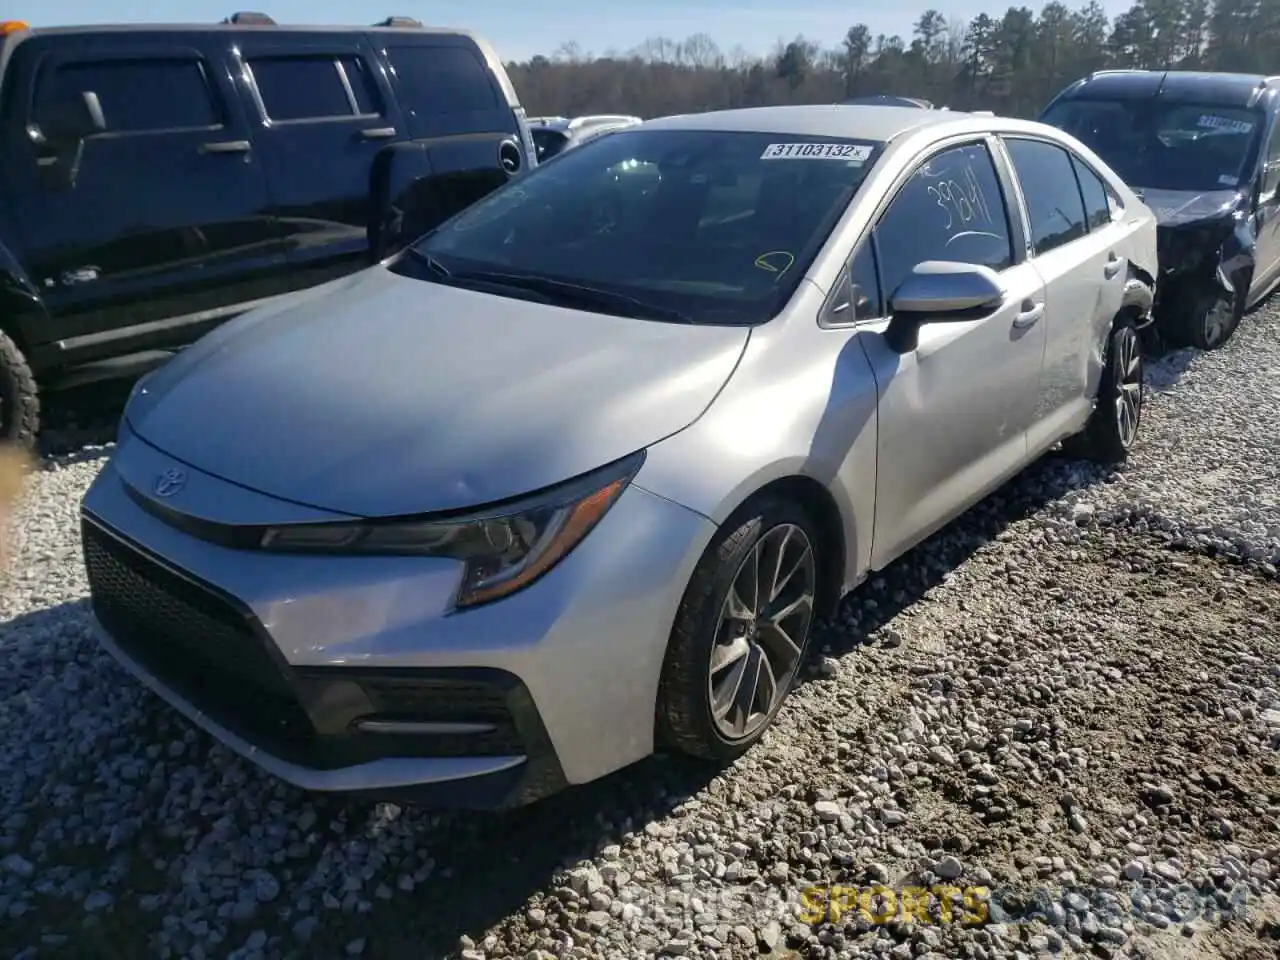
1206,246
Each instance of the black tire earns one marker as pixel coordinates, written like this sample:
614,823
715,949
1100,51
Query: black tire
1210,319
1106,439
19,397
684,719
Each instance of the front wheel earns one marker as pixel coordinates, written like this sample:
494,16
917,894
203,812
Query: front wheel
1210,320
741,633
1113,427
19,397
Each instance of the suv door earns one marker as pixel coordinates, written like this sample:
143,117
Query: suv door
953,413
1268,219
322,119
453,105
152,229
1079,253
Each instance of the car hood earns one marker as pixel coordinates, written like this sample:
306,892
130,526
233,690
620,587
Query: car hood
1176,208
381,395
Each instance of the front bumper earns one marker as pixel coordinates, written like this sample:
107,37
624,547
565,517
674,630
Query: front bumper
351,674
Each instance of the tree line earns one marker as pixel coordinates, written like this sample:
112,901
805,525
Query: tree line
1011,63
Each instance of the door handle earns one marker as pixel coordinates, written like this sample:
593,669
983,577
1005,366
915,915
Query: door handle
1030,314
1113,266
226,146
378,133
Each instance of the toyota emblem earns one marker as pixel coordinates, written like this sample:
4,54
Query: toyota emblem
170,482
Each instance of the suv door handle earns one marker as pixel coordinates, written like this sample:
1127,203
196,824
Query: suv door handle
1113,266
1032,311
378,133
226,146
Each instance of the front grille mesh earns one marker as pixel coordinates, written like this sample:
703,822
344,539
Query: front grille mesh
193,641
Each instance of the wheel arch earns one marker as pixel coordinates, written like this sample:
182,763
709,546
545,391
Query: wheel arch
828,523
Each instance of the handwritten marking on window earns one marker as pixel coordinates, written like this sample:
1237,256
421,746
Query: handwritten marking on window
961,199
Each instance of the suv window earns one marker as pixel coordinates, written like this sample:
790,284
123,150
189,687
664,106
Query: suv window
313,87
719,226
436,80
952,208
1097,205
1049,186
136,95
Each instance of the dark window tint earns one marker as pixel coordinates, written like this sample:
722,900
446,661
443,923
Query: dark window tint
363,87
136,95
718,225
1049,187
866,285
950,209
433,80
1097,206
307,88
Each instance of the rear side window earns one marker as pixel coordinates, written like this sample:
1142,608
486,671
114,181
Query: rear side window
136,95
1097,205
314,87
952,208
1049,187
435,80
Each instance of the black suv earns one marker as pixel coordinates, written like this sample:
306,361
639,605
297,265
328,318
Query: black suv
1202,151
156,181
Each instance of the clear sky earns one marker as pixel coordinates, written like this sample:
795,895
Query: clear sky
522,28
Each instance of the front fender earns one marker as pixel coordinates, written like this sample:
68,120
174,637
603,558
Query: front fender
1237,255
22,309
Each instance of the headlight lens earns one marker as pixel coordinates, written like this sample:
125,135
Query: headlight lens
503,549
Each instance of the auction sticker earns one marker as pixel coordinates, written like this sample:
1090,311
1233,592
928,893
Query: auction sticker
816,151
1227,124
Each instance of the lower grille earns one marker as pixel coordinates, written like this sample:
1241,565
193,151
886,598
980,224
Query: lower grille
194,642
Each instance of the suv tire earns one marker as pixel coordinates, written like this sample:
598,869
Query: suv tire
19,397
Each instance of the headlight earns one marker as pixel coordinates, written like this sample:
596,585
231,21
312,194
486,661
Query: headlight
504,548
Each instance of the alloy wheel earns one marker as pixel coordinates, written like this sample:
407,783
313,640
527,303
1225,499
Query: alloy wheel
764,625
1128,379
1218,320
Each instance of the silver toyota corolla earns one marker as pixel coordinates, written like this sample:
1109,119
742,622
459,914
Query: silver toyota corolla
572,476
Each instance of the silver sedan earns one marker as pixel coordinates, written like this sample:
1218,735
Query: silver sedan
571,477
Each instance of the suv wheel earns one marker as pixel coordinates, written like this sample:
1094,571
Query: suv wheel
1211,318
19,398
741,632
1113,426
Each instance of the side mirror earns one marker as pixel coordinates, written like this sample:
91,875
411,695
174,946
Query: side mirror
940,291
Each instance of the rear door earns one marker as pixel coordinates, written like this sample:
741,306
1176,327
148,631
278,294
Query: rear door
1268,217
165,227
1079,252
322,117
454,105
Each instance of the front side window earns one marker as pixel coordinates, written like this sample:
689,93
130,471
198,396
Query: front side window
136,95
718,226
439,80
1049,186
1162,145
953,209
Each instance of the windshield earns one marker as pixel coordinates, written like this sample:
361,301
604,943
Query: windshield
716,227
1159,145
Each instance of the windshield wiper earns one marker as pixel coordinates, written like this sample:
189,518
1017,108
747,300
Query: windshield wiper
438,268
566,292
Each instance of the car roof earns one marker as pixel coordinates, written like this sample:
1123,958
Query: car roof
1199,86
266,28
816,120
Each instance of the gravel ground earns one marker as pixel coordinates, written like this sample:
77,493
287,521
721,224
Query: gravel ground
1070,698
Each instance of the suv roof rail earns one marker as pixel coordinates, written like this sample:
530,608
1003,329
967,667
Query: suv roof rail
245,18
1103,73
399,22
